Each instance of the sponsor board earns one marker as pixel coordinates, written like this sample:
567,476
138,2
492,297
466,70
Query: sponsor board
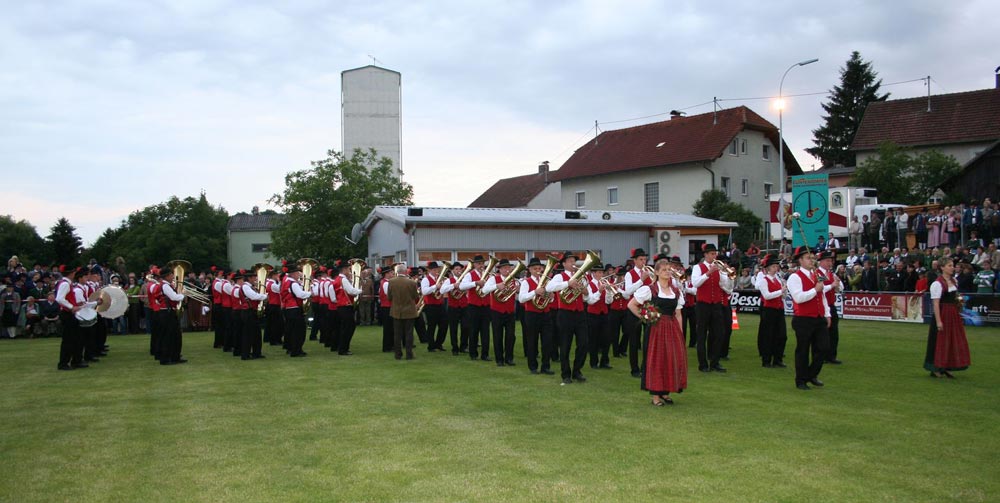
883,307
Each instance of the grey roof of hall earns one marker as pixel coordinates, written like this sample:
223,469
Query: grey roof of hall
248,222
528,217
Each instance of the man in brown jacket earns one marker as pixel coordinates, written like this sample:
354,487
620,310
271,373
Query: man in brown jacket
403,293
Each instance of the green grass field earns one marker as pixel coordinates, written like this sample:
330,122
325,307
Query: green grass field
444,428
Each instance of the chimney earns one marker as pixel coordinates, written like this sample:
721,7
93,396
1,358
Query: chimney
543,169
255,210
997,72
676,114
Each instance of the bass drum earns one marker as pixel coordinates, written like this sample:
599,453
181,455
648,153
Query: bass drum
87,317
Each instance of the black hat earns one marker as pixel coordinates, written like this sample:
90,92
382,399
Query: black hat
660,256
290,268
457,263
676,260
800,251
566,255
385,269
609,267
830,254
478,258
770,260
709,247
433,265
639,252
503,262
535,261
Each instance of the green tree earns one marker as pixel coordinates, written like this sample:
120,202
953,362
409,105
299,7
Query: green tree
19,237
65,244
321,204
190,229
844,110
716,205
903,178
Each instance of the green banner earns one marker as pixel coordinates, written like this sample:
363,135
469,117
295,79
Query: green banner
810,209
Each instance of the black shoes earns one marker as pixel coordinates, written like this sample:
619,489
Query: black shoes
567,380
486,359
803,386
766,364
64,367
533,371
548,372
816,382
704,369
779,365
718,368
579,377
509,362
834,361
636,373
606,366
499,363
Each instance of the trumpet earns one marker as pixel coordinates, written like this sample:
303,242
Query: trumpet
570,295
510,285
486,272
679,274
611,286
722,266
543,301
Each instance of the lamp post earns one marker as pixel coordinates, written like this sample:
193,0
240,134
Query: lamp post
781,150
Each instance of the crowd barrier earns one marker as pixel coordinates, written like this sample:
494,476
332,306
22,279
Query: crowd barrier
978,309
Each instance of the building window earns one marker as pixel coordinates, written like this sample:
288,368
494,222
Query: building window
467,256
766,153
612,196
767,191
743,147
437,256
724,185
651,192
581,199
745,187
733,147
260,247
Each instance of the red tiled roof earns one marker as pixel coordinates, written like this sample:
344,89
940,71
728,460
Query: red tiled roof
954,118
514,192
683,139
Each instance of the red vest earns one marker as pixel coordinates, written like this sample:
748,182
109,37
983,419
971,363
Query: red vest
474,298
710,292
530,305
224,299
70,296
322,295
773,285
154,294
635,274
239,301
252,304
288,299
619,304
383,298
430,300
496,305
273,299
343,300
454,303
689,299
831,296
601,306
215,295
576,305
812,308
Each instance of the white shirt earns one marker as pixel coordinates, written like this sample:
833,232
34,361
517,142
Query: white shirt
631,286
799,295
297,290
491,284
467,282
524,295
426,288
851,260
765,289
593,295
348,286
249,293
170,293
558,283
644,293
937,290
61,292
227,288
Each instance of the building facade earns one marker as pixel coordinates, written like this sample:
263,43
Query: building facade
371,112
249,239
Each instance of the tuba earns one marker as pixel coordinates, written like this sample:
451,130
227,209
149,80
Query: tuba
544,301
510,285
445,267
569,295
261,270
486,272
357,265
180,269
457,293
307,266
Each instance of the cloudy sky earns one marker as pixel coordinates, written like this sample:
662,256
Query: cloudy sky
111,105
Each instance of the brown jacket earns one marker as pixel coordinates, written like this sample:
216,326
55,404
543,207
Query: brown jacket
403,294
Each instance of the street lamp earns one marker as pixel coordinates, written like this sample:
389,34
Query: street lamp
781,149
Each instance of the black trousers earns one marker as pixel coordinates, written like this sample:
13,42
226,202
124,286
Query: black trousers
437,325
170,335
155,333
295,330
346,328
236,326
712,319
231,339
727,334
331,318
387,329
250,342
68,348
420,328
100,336
810,339
614,328
771,335
599,340
479,330
572,324
320,323
833,334
503,336
403,336
274,327
218,325
633,328
458,320
689,324
535,327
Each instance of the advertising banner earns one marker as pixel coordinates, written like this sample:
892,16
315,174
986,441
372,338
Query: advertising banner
884,307
809,201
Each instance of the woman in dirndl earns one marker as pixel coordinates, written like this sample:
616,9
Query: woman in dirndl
665,366
947,347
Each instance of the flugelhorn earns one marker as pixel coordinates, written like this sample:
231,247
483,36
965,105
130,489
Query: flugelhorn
510,285
307,266
486,272
543,301
569,295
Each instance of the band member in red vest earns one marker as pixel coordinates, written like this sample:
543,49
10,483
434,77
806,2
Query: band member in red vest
98,331
70,297
345,308
727,284
236,316
434,312
571,319
292,296
617,308
831,287
597,319
154,299
320,307
711,311
502,313
218,320
688,312
383,307
478,310
170,327
772,332
272,313
810,321
636,277
250,343
225,309
537,323
458,302
232,339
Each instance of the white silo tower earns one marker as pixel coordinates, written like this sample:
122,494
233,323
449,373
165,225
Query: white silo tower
371,112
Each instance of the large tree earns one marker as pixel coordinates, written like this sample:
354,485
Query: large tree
19,237
716,205
903,178
844,110
65,244
321,204
190,229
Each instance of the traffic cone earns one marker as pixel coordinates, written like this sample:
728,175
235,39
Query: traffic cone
736,321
